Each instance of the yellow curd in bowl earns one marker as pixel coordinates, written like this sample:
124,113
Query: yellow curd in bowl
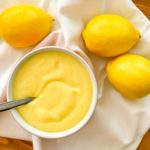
62,87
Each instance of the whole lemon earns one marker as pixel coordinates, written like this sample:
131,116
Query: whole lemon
130,75
109,35
24,25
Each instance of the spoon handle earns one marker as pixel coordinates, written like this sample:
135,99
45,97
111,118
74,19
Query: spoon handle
14,103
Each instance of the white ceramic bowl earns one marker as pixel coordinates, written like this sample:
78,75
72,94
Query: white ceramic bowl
70,131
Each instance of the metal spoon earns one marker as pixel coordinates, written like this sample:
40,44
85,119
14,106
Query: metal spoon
15,103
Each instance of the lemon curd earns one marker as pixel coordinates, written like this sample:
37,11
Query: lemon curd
62,87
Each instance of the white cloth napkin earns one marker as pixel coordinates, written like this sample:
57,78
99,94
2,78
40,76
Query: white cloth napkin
118,123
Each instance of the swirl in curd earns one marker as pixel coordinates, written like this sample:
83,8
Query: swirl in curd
62,87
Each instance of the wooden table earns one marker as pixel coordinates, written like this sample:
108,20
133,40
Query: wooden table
144,5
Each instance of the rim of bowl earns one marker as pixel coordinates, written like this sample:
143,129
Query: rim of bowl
46,134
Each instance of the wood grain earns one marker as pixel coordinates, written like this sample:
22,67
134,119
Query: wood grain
144,5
